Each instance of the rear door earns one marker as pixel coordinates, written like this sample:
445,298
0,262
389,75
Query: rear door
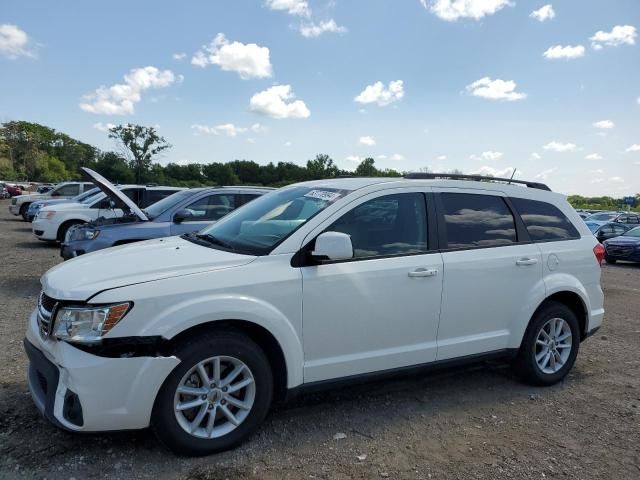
490,272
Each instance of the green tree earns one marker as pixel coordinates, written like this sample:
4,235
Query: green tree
367,168
141,144
321,167
113,166
220,174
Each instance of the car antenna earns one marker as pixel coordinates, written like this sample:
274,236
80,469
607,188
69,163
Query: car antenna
512,175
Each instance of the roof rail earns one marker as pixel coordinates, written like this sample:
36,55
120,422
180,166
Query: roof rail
477,178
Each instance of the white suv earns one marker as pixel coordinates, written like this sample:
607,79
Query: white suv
316,283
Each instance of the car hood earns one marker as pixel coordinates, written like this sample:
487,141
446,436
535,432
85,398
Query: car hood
121,200
50,201
622,240
83,277
31,196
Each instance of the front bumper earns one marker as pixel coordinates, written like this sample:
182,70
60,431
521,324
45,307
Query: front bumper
15,209
68,252
623,253
44,229
79,391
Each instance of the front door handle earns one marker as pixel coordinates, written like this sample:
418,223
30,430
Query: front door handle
523,262
423,272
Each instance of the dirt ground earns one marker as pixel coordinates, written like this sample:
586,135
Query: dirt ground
469,423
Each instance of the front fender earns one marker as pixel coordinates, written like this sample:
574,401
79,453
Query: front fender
183,315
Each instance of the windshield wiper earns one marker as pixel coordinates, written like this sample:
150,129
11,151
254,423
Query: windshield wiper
207,237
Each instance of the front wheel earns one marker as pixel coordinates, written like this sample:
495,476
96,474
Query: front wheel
550,345
218,395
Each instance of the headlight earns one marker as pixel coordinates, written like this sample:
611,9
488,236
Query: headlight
47,215
88,324
80,233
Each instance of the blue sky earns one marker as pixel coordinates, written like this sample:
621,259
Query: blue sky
464,84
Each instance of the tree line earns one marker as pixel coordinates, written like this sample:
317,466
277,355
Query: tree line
33,152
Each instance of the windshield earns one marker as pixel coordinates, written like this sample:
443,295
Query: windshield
161,206
634,232
259,226
603,217
83,197
93,198
592,226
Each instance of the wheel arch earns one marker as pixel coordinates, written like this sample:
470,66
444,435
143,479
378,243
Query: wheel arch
64,226
574,302
259,334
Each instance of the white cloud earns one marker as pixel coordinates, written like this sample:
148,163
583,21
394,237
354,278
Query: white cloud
543,175
273,103
597,171
597,180
543,13
452,10
14,42
441,158
380,95
179,56
560,52
593,156
535,156
354,158
619,35
561,147
287,144
119,99
633,148
493,172
367,140
313,30
489,156
247,60
495,89
251,140
604,124
638,100
293,7
226,129
103,127
258,128
616,179
397,157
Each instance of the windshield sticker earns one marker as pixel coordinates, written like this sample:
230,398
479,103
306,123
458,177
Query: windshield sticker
325,195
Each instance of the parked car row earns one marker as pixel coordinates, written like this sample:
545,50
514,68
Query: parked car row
299,288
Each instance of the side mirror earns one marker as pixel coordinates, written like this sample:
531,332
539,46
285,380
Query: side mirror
182,215
333,246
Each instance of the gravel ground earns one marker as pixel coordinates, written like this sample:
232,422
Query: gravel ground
469,423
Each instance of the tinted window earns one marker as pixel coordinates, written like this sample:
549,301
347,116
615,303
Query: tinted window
212,207
477,221
544,222
389,225
619,229
245,198
152,196
70,190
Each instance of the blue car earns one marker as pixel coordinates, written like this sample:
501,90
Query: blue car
35,207
183,212
625,247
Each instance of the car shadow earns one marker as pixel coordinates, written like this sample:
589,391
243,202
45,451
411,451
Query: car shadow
37,245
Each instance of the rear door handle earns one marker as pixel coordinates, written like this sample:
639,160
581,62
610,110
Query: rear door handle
523,262
423,272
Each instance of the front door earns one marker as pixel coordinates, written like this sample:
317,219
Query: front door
379,310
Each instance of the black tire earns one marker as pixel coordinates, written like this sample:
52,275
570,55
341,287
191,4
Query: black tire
610,260
218,343
23,211
62,230
525,364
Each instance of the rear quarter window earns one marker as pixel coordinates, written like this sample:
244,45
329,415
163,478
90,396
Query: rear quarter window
544,222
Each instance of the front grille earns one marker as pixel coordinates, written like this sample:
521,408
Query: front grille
46,311
14,201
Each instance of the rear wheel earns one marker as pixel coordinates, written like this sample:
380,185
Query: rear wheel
550,345
218,395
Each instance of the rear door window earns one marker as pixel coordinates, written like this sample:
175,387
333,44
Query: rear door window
544,222
474,220
212,207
